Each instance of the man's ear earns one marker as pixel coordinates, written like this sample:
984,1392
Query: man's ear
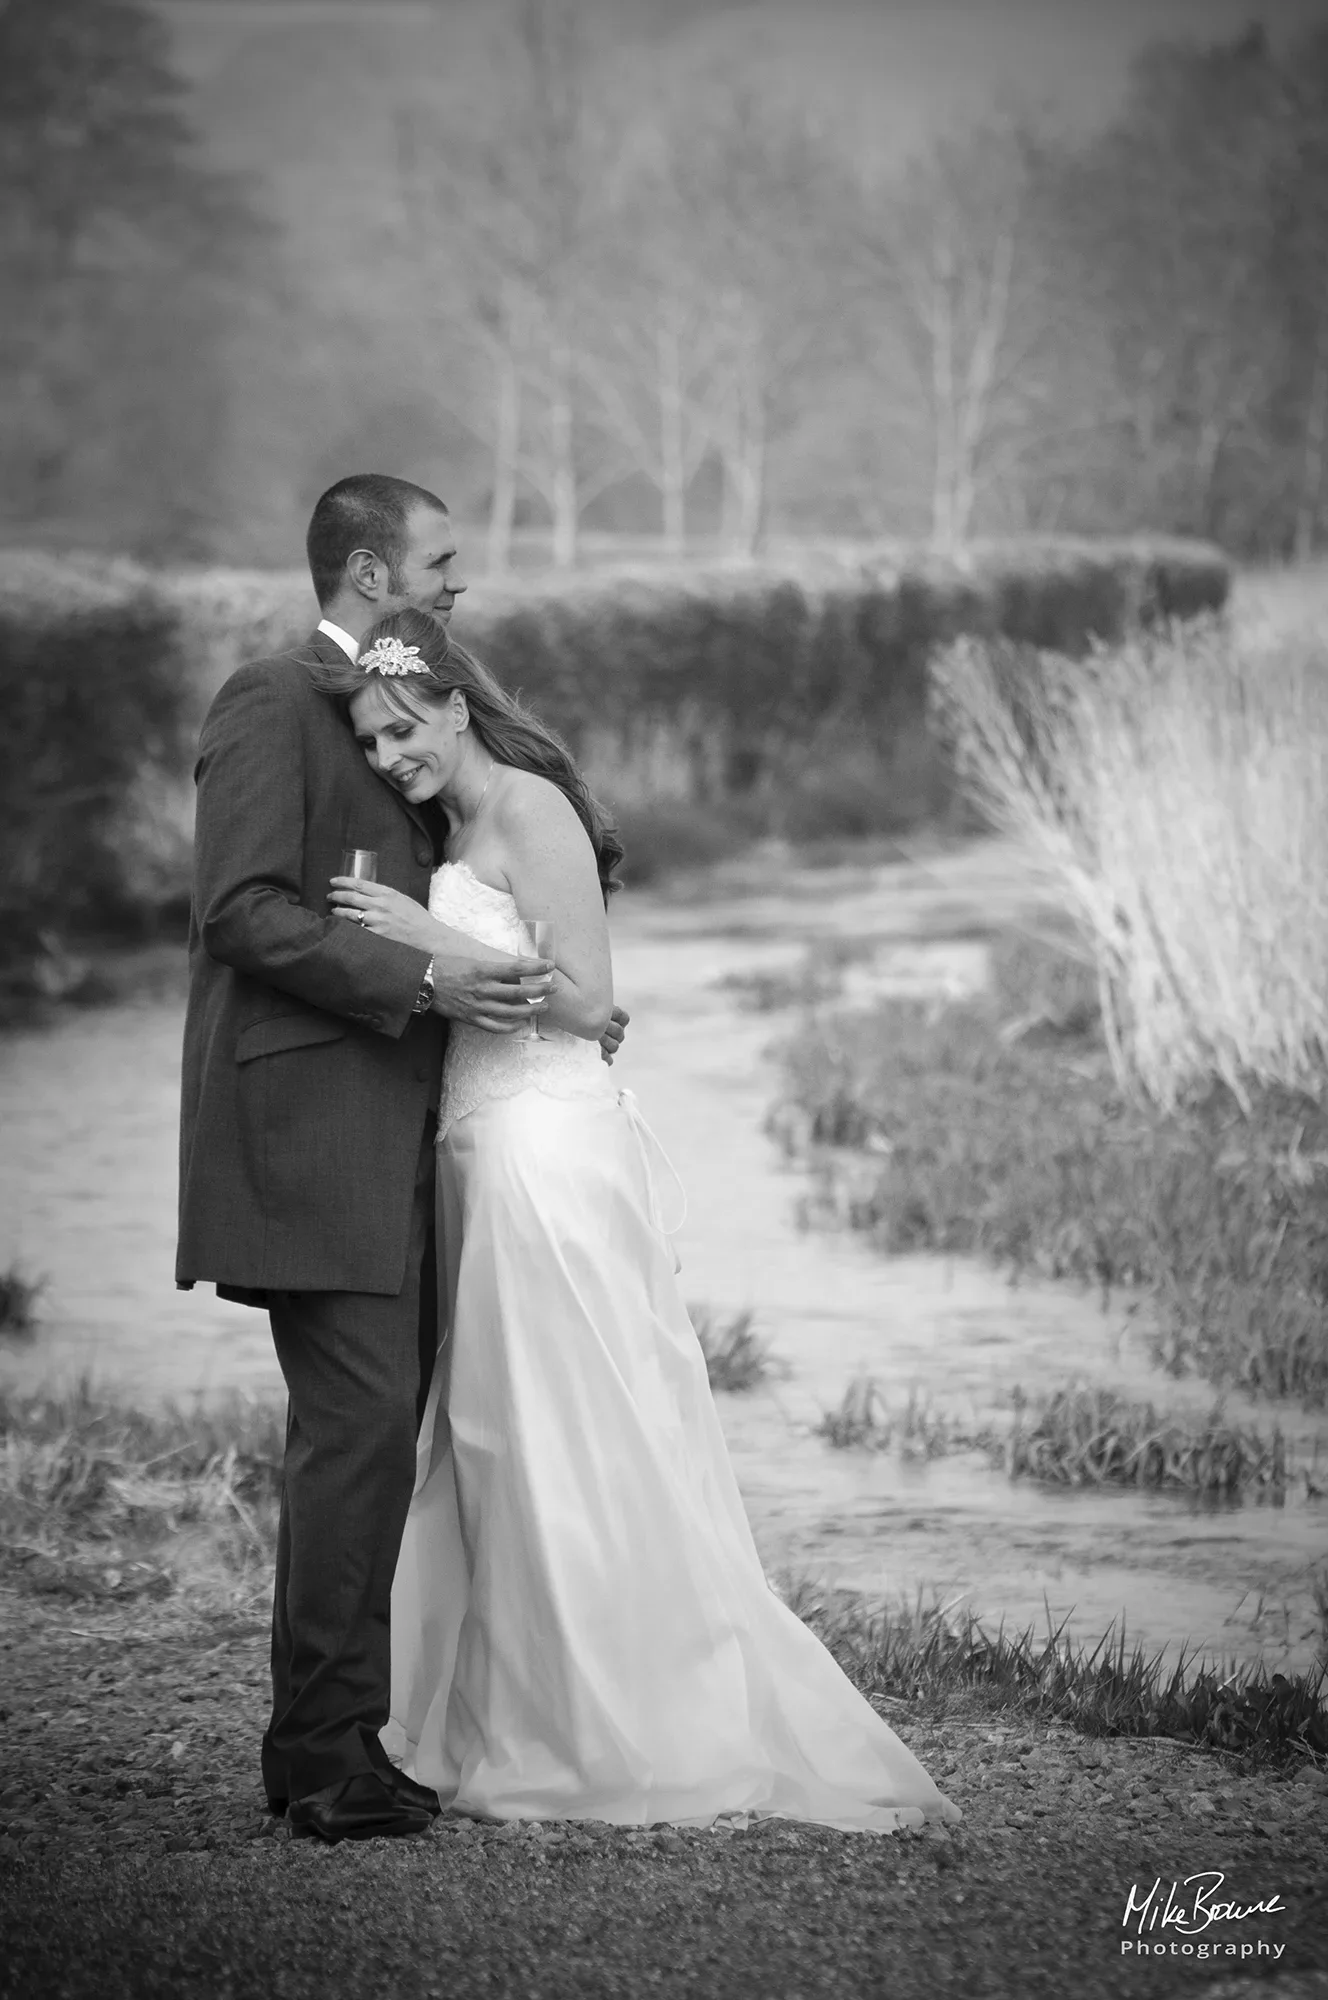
367,573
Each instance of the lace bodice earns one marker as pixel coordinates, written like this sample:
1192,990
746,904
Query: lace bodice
479,1065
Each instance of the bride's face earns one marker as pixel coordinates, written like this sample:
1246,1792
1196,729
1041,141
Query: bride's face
417,753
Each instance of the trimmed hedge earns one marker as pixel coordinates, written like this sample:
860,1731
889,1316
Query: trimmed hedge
94,710
709,705
799,703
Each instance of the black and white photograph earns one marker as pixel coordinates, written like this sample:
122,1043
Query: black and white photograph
663,999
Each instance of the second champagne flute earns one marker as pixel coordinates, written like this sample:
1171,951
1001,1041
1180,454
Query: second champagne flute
538,940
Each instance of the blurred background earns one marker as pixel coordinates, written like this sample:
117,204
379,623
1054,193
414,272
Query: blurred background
703,273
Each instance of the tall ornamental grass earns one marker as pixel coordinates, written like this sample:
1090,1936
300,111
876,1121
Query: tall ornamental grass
1177,780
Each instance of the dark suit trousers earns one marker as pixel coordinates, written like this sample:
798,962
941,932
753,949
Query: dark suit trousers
357,1369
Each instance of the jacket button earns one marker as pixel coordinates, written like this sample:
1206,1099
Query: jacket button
423,856
421,1076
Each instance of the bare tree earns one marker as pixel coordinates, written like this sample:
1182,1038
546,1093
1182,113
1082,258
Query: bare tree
505,187
966,318
652,367
757,200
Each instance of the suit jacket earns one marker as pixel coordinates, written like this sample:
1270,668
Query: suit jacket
307,1077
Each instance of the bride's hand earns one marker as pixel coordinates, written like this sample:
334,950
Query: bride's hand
384,910
612,1039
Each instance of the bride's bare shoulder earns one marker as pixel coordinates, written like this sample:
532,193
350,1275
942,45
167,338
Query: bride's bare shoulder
534,818
531,802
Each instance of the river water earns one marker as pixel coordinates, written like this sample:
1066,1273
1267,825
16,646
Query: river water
87,1187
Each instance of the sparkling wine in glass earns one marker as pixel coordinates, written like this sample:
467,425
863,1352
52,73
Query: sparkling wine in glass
361,862
538,940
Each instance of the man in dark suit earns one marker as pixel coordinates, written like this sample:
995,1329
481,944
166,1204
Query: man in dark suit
312,1061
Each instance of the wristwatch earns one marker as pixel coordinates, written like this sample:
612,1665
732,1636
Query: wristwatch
424,998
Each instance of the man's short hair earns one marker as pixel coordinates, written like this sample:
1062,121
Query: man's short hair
367,511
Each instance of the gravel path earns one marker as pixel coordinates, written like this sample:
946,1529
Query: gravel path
136,1859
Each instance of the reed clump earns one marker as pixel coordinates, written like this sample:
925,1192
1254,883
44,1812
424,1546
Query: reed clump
1174,781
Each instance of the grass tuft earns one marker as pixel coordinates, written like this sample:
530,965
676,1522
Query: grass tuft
18,1303
1093,1437
818,978
1077,1436
97,1499
864,1422
736,1358
931,1652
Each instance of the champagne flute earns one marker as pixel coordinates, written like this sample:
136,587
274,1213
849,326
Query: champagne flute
361,862
538,940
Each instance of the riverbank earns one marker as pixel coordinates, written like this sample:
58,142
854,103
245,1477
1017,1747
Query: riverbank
136,1860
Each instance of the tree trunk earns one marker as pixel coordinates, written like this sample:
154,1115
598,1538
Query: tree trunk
742,446
1207,457
506,445
753,472
745,470
944,415
672,444
973,410
1310,497
563,483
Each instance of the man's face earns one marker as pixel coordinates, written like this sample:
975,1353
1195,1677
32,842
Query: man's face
426,578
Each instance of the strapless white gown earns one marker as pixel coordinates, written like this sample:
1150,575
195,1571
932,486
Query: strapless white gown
581,1627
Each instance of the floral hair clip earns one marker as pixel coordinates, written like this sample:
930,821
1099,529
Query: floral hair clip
389,656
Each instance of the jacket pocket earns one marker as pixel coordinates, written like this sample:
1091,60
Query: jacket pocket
286,1031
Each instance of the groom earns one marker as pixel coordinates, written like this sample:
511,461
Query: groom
312,1061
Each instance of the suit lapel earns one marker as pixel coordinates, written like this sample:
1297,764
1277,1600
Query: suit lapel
429,818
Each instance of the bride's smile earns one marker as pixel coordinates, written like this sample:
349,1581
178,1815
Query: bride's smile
425,751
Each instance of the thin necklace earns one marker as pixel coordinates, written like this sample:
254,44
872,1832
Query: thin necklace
483,789
467,823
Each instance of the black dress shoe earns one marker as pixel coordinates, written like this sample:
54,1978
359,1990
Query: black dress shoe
418,1797
359,1808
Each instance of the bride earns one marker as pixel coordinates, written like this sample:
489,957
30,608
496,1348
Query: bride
581,1627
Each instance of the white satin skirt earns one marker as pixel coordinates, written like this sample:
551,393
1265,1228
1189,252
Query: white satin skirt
581,1626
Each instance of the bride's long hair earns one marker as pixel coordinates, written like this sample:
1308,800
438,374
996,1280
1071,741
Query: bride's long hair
509,731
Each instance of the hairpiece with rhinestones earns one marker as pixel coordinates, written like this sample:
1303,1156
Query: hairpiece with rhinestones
389,656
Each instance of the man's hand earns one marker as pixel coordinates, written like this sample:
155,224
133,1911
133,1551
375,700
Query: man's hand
612,1039
501,998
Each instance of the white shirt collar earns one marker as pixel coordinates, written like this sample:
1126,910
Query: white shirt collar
350,647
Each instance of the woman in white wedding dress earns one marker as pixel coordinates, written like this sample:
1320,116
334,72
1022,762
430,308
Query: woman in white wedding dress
581,1626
